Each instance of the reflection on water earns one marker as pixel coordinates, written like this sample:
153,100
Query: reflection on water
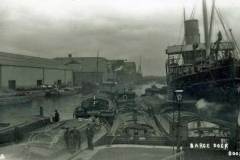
21,112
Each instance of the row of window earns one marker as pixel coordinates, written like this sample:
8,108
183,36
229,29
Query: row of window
12,83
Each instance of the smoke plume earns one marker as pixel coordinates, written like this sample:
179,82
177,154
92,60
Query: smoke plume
209,107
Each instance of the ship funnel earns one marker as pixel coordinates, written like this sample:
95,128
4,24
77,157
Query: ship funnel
192,35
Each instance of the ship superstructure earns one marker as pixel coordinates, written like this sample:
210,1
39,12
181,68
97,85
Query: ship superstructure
209,69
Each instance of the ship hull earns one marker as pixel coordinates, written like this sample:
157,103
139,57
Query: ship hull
219,86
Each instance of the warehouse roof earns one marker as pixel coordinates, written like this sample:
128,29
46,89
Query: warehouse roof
29,61
88,64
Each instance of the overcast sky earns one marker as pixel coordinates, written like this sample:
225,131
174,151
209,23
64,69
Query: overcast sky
117,28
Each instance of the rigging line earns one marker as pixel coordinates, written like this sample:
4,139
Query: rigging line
231,35
234,41
224,20
219,28
180,31
226,33
210,72
216,25
183,40
182,45
236,54
193,12
182,27
222,23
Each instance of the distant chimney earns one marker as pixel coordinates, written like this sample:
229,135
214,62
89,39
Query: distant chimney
69,55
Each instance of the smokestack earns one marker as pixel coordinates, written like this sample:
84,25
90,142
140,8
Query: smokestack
192,35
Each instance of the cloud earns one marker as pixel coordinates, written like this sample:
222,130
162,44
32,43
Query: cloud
119,29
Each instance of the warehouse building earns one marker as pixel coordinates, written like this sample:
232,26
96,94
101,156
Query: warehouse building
20,71
88,69
100,69
125,71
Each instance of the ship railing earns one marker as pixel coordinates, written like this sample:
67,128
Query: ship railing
176,71
180,49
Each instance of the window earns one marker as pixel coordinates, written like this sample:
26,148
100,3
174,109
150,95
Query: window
59,82
12,84
39,83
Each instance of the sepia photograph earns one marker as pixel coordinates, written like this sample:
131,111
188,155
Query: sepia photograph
119,80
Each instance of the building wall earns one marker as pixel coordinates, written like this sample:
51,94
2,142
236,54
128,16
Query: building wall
24,76
88,69
109,76
69,77
51,76
92,64
27,77
92,77
99,69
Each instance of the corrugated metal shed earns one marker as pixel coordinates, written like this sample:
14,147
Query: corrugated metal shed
29,61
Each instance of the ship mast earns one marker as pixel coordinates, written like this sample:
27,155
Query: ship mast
140,65
184,30
205,23
211,22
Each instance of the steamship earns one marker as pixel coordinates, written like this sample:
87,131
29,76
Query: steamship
209,69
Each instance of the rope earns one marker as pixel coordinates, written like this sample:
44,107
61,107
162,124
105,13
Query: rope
231,35
180,31
222,22
193,12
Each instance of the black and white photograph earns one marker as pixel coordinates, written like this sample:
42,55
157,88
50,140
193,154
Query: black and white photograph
119,79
